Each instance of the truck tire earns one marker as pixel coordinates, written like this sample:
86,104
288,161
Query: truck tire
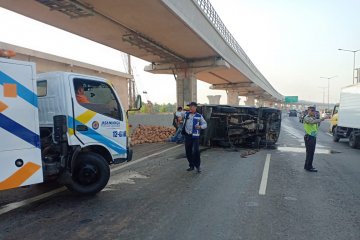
353,141
335,136
91,174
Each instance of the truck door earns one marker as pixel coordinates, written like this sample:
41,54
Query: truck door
20,153
98,116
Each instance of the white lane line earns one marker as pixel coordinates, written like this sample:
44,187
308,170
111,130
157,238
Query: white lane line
329,134
12,206
143,158
264,179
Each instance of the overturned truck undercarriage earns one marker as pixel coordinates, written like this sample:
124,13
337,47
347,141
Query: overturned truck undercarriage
240,126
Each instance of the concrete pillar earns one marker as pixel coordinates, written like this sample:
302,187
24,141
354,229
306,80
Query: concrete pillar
214,99
233,97
260,102
186,87
250,101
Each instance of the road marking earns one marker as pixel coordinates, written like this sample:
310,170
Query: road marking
265,175
329,134
143,158
12,206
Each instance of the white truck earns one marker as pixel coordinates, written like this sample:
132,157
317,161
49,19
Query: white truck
59,125
348,116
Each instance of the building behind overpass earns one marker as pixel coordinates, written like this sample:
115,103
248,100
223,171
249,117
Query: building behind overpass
47,63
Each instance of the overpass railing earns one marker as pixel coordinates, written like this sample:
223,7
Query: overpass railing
209,11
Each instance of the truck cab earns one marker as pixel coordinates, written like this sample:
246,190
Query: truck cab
67,126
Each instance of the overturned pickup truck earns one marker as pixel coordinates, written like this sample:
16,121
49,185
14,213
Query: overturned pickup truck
240,126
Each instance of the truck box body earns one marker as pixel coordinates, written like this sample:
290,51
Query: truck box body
20,152
349,110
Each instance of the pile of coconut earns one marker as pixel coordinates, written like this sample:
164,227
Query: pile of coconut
151,134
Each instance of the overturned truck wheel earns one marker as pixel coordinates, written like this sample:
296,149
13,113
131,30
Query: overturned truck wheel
90,175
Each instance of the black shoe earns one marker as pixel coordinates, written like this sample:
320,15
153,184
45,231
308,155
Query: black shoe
190,169
311,170
198,170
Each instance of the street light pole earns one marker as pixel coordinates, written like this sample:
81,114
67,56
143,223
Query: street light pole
328,78
354,52
323,102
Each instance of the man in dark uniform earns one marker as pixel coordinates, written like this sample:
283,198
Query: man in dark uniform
311,125
193,123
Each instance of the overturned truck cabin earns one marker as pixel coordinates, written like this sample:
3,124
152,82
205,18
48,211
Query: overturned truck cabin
240,126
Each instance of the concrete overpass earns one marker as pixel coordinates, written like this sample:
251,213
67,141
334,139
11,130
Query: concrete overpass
47,62
184,38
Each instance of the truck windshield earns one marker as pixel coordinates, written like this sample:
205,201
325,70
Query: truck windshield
98,97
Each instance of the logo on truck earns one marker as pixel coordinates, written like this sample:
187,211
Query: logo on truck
110,124
95,125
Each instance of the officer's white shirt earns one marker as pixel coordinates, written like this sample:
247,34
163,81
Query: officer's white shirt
189,123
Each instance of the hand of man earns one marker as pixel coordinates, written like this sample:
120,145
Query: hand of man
197,126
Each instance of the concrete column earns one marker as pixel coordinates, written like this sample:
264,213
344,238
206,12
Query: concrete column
214,99
250,101
186,87
233,97
260,102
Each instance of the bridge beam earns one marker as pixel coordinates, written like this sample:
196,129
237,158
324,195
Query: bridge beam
227,86
185,75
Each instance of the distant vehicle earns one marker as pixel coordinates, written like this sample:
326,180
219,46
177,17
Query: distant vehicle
293,113
302,115
345,122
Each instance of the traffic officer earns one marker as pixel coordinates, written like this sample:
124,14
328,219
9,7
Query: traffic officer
193,123
311,125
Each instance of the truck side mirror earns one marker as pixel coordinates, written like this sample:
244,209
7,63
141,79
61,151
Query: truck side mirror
138,102
138,105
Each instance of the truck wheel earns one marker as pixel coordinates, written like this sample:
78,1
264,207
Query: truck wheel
91,174
353,140
335,136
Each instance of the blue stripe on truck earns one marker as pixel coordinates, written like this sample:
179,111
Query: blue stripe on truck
97,137
22,91
19,131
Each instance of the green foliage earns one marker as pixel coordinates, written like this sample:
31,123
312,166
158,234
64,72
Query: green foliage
158,108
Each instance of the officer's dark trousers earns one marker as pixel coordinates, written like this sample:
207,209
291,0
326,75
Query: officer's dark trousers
310,143
192,151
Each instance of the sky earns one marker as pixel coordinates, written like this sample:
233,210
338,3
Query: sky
292,43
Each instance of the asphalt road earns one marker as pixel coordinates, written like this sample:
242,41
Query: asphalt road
233,198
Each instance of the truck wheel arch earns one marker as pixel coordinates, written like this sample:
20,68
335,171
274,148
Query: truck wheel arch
98,149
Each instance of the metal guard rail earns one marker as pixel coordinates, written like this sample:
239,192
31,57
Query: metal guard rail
209,11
